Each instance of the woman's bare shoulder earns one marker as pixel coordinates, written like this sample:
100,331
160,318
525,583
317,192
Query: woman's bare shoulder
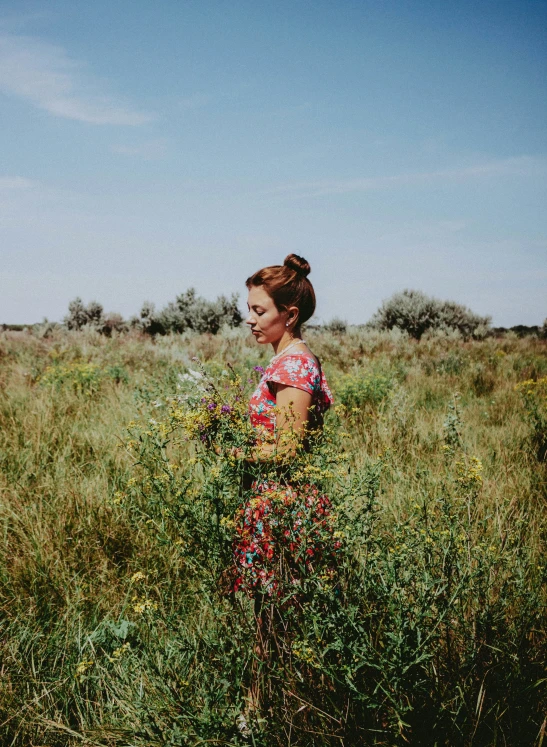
300,352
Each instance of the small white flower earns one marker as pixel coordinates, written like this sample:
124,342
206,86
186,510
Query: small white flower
242,725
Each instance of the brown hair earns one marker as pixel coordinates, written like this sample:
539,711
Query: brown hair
288,285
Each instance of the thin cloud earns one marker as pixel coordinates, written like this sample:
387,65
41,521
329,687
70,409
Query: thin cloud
47,77
148,150
196,101
15,183
521,165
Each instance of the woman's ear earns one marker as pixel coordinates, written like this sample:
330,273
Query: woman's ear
292,316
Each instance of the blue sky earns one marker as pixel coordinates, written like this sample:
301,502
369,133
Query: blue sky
147,147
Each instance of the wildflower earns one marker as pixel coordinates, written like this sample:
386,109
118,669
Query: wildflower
143,605
119,652
82,668
138,576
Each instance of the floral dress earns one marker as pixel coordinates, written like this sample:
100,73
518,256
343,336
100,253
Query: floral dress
283,531
299,370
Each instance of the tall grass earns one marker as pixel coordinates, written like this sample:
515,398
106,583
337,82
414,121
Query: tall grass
117,627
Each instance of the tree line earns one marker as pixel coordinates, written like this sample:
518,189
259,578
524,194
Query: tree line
410,311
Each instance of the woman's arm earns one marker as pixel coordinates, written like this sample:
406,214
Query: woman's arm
292,414
293,409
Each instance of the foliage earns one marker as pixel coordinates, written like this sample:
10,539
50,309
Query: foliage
80,315
82,377
190,312
120,623
360,389
416,313
336,326
534,394
93,316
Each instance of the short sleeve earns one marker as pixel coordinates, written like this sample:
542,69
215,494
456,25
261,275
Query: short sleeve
298,371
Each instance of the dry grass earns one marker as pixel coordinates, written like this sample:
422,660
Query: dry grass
69,548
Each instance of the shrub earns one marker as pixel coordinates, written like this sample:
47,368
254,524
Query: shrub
357,391
336,326
416,313
82,377
93,316
451,365
190,312
77,316
483,381
534,394
113,322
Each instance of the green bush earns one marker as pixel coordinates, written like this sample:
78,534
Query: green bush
80,315
336,326
93,316
416,313
190,312
534,394
366,389
80,376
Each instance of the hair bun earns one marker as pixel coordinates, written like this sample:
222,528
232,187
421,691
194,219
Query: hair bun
298,264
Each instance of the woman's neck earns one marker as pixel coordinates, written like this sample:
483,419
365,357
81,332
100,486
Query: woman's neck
285,340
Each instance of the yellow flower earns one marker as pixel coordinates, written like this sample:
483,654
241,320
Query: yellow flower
144,605
83,666
119,652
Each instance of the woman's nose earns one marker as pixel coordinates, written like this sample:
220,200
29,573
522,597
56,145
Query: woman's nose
250,319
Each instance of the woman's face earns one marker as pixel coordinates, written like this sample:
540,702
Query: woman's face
267,323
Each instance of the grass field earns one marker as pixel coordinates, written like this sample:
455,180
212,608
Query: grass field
116,625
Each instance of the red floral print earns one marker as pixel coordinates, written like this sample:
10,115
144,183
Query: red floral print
283,532
299,370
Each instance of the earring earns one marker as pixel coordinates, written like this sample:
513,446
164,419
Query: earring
287,324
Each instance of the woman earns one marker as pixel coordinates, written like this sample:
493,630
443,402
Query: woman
283,528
